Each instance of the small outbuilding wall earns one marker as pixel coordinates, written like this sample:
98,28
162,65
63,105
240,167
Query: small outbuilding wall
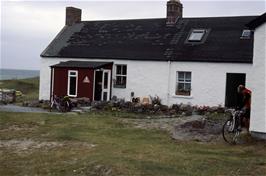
60,82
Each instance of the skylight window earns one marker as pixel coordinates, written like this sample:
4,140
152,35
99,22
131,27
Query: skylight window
196,35
246,34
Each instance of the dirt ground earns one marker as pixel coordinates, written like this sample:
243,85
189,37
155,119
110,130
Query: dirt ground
191,128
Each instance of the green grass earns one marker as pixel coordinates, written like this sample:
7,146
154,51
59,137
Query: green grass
120,148
29,87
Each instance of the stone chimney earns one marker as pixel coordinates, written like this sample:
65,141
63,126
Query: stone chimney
174,11
73,15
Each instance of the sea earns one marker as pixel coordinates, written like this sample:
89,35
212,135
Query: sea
7,74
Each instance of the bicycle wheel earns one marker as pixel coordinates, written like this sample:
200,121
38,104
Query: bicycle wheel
230,134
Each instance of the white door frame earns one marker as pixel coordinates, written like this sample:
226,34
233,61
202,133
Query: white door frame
108,89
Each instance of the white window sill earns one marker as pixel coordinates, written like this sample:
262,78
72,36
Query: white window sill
181,96
72,96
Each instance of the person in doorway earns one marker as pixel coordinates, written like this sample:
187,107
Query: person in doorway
244,105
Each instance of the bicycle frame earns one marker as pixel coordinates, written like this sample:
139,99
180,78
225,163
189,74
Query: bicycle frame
233,124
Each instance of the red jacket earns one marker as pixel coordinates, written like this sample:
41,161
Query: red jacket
247,98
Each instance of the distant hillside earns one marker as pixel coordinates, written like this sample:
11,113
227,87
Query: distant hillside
29,87
7,74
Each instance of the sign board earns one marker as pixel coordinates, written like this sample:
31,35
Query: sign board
86,80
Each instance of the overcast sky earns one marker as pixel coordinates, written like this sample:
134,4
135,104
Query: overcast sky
27,27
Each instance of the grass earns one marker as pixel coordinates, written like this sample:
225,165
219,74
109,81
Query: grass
120,149
29,87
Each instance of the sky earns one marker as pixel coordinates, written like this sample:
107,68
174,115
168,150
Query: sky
27,27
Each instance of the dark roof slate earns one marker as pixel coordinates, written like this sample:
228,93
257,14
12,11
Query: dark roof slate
151,39
81,64
257,22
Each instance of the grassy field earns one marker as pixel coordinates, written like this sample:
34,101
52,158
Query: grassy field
29,87
100,144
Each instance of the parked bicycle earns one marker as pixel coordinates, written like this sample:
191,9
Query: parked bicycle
62,104
233,126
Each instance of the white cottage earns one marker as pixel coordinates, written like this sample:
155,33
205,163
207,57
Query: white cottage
182,60
258,83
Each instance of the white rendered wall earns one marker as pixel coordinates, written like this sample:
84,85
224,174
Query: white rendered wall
146,78
258,112
208,81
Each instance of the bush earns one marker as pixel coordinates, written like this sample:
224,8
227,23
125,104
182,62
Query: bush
155,100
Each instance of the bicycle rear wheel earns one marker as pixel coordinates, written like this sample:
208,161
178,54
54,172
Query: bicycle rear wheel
230,134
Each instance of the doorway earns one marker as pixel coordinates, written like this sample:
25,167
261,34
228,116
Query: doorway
102,85
233,80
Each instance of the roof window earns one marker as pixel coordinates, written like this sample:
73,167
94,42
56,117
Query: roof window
246,34
197,35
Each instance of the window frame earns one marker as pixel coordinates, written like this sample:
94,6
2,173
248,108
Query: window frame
68,82
203,39
194,32
185,81
120,75
244,36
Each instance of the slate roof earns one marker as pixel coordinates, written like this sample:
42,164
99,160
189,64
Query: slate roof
81,64
257,22
151,39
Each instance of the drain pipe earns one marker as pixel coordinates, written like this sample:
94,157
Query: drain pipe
168,84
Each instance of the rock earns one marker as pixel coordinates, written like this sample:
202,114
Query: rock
99,105
86,108
79,111
164,108
199,124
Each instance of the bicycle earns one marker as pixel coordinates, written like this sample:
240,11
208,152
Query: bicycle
61,104
231,128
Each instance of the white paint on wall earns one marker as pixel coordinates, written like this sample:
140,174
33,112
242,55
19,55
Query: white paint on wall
146,78
258,82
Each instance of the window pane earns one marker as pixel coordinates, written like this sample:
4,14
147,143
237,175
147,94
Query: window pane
246,33
181,86
118,69
72,85
187,87
121,76
118,80
105,96
73,73
196,35
181,75
124,72
188,76
124,80
105,83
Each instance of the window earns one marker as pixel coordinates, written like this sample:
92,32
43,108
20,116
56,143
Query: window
72,83
121,76
246,34
196,35
183,83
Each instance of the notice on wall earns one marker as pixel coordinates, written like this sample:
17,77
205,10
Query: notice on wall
86,80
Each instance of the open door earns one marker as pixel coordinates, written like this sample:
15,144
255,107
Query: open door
98,77
102,85
233,80
106,85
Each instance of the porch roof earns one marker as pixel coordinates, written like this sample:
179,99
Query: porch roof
81,64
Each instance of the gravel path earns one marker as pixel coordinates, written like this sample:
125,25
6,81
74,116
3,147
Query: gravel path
15,108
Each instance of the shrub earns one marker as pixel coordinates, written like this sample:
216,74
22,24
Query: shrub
155,100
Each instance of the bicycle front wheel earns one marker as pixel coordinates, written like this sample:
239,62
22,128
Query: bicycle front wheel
229,133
